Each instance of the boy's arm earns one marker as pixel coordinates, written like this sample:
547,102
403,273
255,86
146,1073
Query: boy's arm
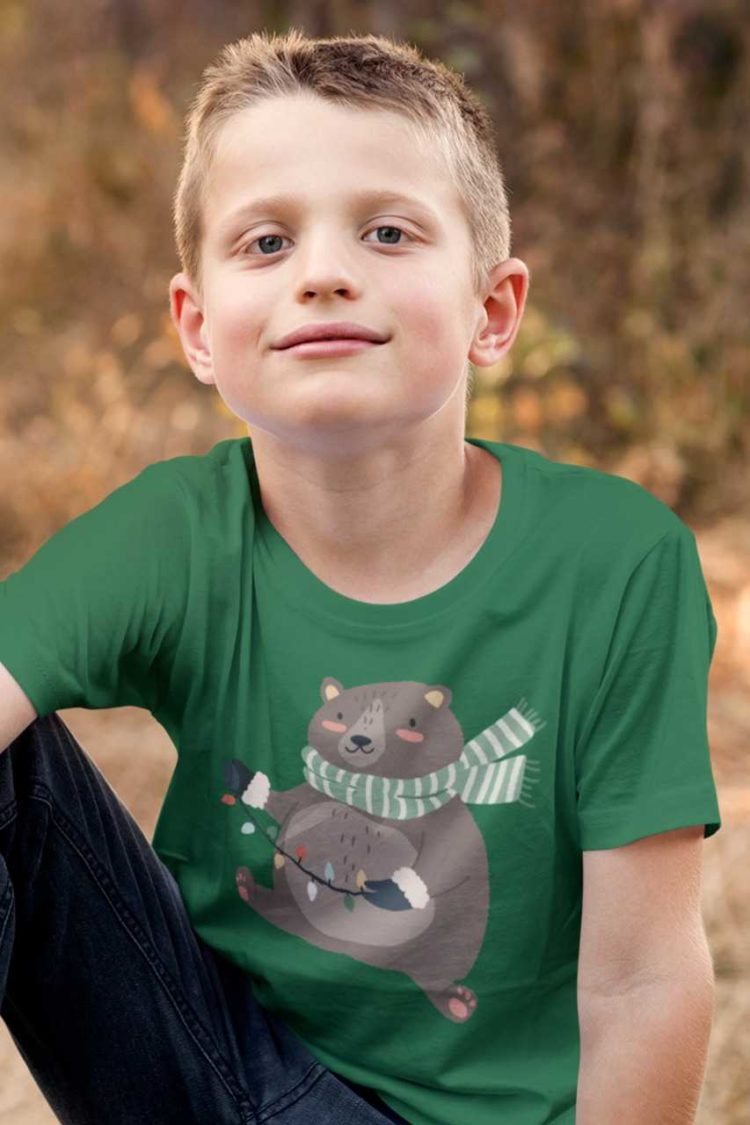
16,709
93,617
645,983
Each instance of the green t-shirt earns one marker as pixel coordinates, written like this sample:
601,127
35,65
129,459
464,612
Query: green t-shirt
378,811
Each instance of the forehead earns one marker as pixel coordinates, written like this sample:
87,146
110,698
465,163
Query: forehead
303,146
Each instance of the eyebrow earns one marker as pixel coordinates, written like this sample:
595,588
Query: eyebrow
286,199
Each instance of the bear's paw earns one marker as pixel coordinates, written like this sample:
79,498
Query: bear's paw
257,791
412,886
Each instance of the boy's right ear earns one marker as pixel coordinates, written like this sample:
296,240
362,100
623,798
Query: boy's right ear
187,316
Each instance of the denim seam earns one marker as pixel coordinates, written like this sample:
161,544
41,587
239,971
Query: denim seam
290,1097
139,938
11,809
6,915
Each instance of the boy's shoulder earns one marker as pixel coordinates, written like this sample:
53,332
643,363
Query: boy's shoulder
226,456
191,478
165,499
601,507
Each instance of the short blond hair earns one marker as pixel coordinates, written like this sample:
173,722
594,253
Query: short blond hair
369,71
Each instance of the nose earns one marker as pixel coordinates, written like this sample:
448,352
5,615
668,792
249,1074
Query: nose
324,268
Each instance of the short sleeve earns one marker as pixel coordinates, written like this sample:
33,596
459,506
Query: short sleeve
88,620
642,759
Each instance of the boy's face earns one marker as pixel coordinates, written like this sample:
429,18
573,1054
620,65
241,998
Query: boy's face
323,255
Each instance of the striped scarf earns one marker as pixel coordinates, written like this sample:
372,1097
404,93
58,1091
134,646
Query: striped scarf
481,776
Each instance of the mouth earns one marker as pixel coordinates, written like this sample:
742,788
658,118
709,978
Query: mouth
341,345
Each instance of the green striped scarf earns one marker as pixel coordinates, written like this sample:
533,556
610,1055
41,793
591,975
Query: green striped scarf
483,775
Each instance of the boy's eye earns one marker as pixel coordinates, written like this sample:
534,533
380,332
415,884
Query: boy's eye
390,229
265,238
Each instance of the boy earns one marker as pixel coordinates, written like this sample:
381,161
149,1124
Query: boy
439,702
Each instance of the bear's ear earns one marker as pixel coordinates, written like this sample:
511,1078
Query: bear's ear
438,696
330,688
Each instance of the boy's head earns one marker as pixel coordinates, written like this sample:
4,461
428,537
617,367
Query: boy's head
324,122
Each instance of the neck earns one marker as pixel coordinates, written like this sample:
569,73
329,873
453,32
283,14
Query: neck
357,520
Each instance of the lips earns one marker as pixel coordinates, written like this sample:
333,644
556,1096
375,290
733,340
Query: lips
328,340
337,330
351,345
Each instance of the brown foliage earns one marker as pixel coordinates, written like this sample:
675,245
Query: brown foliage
622,128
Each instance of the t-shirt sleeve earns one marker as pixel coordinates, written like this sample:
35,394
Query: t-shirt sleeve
89,620
642,759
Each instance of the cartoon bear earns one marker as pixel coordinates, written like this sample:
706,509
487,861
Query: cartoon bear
377,855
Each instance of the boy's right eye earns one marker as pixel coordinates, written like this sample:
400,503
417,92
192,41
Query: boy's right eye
262,238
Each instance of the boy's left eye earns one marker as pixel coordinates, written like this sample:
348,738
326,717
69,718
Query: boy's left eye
390,227
382,226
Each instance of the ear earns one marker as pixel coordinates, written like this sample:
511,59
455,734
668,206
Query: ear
501,314
187,314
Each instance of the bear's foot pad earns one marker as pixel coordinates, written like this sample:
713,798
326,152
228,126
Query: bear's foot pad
457,1002
245,883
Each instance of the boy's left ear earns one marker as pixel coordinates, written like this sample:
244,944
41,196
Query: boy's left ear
502,312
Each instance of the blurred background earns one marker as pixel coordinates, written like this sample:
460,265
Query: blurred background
623,130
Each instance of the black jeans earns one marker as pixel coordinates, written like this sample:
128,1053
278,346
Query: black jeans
122,1014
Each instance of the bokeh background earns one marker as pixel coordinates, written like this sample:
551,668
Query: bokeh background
623,130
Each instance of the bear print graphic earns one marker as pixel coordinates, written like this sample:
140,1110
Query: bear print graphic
377,855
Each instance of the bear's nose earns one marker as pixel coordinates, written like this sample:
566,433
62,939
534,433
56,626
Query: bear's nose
361,740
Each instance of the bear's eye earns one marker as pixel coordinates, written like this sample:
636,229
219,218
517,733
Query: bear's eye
412,722
339,714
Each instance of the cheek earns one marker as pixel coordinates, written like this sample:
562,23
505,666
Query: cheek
236,317
409,735
432,312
